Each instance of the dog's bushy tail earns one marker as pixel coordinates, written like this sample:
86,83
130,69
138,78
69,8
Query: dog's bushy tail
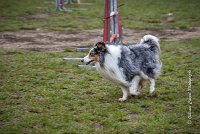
152,41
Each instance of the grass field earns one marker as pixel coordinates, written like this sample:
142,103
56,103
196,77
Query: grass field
41,93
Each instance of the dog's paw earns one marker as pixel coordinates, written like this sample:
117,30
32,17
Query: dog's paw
122,99
135,93
151,93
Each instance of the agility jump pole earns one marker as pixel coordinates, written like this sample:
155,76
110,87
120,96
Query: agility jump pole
112,29
60,5
106,30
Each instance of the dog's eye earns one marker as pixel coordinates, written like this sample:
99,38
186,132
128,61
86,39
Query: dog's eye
92,53
95,49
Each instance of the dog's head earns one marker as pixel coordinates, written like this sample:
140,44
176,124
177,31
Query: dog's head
96,54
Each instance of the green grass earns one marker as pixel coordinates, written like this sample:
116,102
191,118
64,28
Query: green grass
148,14
41,93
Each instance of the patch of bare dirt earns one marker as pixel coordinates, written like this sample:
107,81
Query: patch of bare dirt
37,16
168,34
33,16
58,41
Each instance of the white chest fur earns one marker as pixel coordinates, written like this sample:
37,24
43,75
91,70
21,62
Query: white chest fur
111,69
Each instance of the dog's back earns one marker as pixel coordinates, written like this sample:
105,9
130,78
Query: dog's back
141,59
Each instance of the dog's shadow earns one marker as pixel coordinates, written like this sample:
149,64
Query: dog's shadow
144,96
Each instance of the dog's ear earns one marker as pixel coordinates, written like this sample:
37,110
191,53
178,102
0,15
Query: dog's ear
101,46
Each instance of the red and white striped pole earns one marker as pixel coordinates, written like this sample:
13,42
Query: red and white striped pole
112,29
106,30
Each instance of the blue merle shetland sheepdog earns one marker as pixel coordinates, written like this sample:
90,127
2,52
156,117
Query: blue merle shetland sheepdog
128,66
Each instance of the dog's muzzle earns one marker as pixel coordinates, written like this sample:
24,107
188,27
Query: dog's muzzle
87,63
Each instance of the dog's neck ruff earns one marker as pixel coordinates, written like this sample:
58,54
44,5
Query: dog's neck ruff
109,66
102,57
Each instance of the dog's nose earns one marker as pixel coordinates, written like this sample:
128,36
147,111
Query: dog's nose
82,60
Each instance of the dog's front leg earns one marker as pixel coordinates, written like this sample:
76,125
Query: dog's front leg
134,88
125,94
152,85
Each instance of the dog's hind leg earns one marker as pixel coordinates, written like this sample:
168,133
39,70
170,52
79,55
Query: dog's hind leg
141,85
135,86
152,86
125,94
